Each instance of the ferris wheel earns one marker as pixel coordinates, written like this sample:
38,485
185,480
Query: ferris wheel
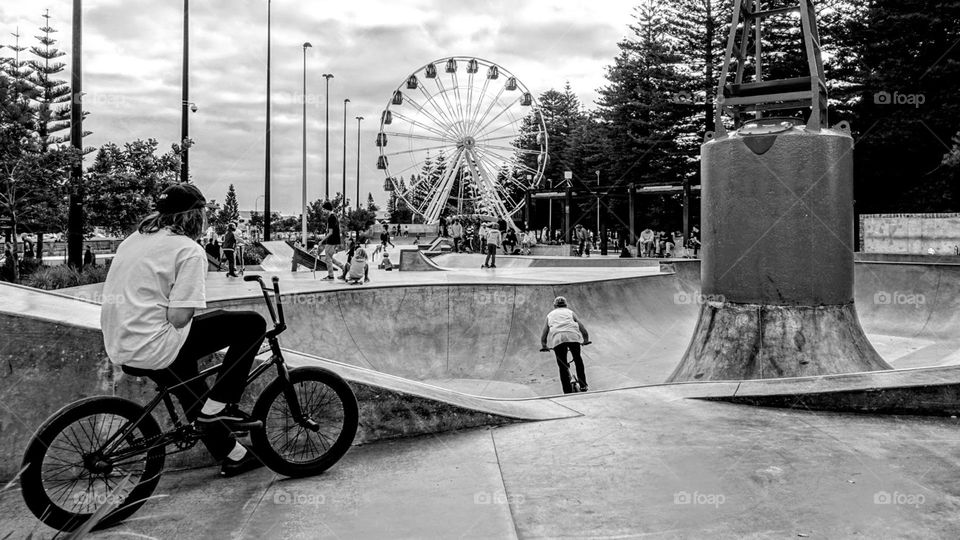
462,135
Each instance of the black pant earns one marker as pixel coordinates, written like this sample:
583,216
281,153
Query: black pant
231,261
491,255
561,352
242,332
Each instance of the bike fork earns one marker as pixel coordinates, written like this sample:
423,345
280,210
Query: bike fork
293,402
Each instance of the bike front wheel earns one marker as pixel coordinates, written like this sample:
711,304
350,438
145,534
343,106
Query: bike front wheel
331,417
70,472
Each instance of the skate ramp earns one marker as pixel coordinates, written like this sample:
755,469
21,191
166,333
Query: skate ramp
485,339
413,260
281,256
474,260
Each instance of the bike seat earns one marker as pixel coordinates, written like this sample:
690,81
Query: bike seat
140,372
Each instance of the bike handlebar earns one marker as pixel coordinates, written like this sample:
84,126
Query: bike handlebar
276,313
548,349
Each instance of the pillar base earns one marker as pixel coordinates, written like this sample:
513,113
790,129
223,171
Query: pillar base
754,341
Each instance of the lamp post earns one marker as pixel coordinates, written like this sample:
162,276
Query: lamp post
303,101
75,209
326,189
256,207
598,202
343,196
185,101
359,118
266,153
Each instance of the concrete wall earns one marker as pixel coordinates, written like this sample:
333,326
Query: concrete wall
910,233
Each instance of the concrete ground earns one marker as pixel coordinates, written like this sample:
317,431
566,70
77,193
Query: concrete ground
634,462
637,463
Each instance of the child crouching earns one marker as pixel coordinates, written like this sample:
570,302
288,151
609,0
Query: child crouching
358,271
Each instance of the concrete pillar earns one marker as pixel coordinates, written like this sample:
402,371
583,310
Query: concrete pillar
567,203
777,261
631,196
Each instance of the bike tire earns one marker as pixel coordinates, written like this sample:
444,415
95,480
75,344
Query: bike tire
336,411
71,417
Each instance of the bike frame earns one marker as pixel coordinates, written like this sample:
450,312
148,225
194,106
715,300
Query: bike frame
163,392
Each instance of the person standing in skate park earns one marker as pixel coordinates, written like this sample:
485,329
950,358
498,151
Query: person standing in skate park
330,240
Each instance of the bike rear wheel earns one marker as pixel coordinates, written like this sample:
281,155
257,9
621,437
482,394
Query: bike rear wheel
66,478
292,449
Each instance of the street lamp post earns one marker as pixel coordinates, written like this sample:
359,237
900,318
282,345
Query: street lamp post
266,153
185,88
303,101
343,197
598,202
359,118
326,172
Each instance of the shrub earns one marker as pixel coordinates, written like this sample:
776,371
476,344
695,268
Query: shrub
62,276
253,255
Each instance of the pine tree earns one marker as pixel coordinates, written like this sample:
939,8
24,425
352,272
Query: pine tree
639,104
230,213
371,205
52,107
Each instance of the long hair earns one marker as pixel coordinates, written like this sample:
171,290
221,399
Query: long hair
191,223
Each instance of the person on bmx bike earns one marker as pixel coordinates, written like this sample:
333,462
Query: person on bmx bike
154,287
564,332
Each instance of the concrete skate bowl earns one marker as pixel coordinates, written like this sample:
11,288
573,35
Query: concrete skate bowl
474,260
911,311
484,339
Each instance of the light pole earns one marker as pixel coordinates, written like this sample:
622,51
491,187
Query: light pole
303,101
359,118
343,197
266,153
598,204
256,207
326,189
75,209
185,88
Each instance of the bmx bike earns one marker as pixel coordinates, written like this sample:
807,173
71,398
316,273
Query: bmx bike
100,458
575,384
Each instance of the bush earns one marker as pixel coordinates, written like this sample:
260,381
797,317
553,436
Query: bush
253,255
62,276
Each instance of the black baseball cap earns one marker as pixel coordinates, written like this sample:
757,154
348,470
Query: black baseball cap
180,198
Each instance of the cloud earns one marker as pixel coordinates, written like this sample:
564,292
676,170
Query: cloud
132,62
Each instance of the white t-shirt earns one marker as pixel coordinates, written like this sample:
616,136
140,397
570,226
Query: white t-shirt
493,237
563,327
150,273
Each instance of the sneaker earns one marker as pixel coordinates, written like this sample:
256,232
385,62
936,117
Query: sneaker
328,278
493,266
248,462
231,416
484,266
584,388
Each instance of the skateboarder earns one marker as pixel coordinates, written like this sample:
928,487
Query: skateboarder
564,332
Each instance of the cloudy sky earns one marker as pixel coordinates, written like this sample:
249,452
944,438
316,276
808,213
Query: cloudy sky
132,68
